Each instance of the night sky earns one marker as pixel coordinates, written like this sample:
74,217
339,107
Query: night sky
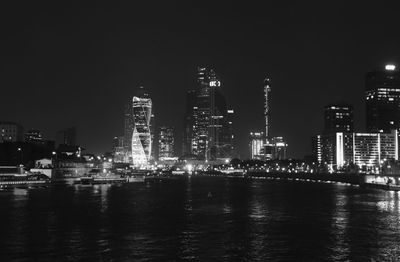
66,64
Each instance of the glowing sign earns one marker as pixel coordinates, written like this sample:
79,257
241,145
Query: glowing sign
215,83
390,67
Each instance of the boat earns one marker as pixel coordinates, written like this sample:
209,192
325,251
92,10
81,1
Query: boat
23,180
102,179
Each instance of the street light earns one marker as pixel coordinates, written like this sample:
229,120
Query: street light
21,155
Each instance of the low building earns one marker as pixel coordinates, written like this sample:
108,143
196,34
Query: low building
368,151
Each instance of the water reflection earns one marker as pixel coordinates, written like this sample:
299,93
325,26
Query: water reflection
242,221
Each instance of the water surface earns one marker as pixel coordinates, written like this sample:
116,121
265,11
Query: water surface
243,220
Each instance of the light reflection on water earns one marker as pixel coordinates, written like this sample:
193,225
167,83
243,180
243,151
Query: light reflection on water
242,220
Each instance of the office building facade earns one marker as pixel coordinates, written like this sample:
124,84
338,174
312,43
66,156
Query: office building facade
338,118
33,136
11,132
279,147
166,143
368,151
382,94
257,140
208,120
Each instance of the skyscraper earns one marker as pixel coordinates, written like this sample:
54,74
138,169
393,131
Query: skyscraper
204,97
190,122
208,122
128,129
279,148
382,93
119,149
256,145
141,135
166,142
338,118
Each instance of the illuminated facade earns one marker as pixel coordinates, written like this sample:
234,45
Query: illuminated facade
279,147
166,143
11,132
267,104
33,136
190,122
208,121
268,146
366,150
382,94
141,136
119,149
257,145
338,118
128,129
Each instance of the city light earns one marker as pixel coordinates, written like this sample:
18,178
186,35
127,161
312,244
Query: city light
390,67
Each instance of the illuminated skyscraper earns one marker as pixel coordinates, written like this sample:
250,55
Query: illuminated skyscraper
119,149
166,143
128,129
279,148
257,145
208,121
339,118
141,135
382,93
190,122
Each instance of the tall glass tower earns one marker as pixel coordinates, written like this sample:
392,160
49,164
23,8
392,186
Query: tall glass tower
141,135
208,121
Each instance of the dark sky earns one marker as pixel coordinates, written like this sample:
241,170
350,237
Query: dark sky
65,64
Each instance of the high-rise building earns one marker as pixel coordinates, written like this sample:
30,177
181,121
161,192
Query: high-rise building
208,122
11,132
204,102
190,122
166,143
279,148
338,118
382,93
33,136
128,129
257,145
141,135
119,149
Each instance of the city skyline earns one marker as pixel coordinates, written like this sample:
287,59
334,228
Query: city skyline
308,67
